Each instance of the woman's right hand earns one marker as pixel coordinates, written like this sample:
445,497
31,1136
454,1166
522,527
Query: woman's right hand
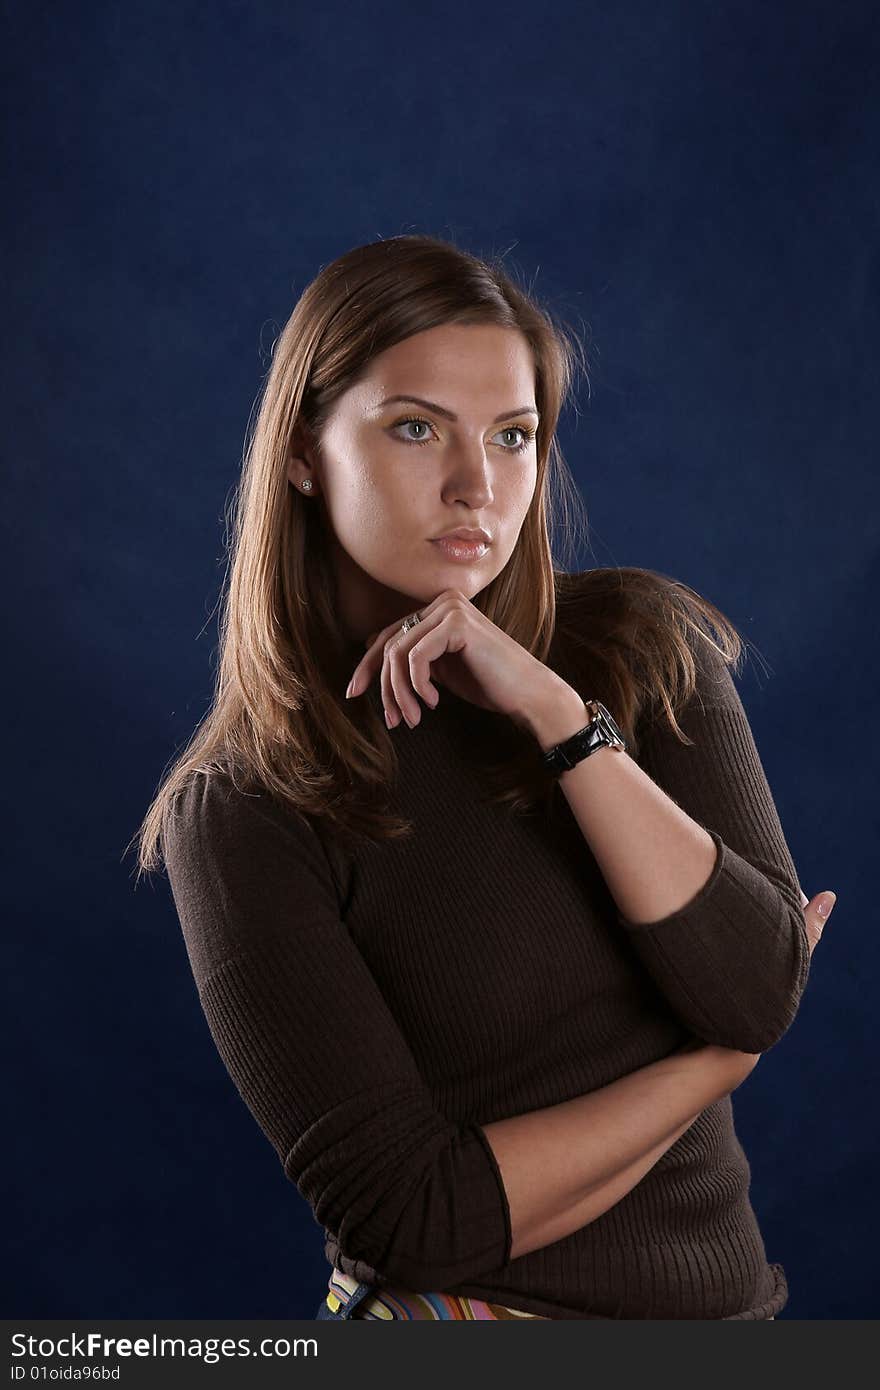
814,917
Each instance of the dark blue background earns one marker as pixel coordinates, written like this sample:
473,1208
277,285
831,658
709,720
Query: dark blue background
697,184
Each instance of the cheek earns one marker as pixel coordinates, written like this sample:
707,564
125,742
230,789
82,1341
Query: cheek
368,510
516,497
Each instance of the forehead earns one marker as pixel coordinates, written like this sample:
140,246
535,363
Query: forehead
456,365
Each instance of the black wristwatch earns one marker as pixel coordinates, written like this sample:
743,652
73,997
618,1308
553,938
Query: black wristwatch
601,732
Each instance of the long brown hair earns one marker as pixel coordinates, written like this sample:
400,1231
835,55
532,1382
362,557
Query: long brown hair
278,720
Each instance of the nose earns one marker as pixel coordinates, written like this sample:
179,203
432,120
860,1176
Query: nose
469,477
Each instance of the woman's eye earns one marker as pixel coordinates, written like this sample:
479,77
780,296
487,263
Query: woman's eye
422,424
526,435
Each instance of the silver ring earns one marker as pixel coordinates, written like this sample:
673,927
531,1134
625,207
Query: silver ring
410,622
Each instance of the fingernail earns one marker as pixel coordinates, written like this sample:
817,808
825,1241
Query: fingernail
348,688
826,903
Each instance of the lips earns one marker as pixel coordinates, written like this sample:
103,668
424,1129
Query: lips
465,533
456,549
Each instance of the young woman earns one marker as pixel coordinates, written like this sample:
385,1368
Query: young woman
487,970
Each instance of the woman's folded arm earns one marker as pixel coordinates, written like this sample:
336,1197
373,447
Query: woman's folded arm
733,961
319,1059
314,1050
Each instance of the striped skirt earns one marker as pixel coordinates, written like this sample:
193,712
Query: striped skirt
346,1298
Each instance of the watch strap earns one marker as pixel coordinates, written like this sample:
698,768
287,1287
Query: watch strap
601,732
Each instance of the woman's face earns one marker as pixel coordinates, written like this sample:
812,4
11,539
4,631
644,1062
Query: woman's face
395,474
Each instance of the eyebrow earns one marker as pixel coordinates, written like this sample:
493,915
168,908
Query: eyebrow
441,410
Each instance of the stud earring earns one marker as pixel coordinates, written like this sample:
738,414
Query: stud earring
307,483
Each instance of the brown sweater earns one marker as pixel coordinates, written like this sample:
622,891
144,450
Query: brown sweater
376,1007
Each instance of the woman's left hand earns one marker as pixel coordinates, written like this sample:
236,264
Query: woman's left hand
457,645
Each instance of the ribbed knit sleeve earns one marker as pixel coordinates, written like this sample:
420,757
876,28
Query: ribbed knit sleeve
314,1050
734,961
